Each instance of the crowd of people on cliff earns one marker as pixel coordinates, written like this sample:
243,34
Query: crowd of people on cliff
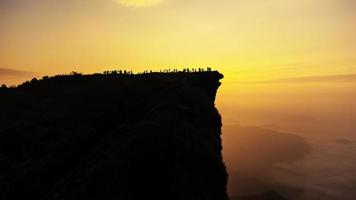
185,70
4,87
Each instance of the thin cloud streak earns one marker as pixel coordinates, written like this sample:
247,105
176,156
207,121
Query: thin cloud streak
14,77
306,79
11,72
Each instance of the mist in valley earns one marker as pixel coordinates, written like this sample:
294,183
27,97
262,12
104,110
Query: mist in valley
293,136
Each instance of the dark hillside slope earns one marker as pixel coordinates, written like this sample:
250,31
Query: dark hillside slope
113,136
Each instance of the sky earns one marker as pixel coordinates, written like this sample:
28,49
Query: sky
246,40
289,89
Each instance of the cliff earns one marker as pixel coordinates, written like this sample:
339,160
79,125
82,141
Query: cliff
112,136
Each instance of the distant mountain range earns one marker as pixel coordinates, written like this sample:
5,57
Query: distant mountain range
11,72
10,76
307,79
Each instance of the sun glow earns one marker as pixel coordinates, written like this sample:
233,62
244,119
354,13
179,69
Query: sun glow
138,3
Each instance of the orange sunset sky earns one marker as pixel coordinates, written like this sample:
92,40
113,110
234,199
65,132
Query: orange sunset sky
288,99
243,39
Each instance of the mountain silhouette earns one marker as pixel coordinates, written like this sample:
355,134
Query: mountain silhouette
112,136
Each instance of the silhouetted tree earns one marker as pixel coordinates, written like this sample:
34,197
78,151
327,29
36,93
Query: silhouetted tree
3,86
34,80
75,73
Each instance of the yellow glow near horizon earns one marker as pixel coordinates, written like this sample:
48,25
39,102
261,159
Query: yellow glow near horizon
138,3
246,40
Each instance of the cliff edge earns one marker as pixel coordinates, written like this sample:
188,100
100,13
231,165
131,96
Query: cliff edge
112,136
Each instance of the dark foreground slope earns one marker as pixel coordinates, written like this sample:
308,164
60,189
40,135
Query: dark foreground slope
153,136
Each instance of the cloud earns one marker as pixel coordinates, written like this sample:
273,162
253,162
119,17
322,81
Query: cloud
345,141
138,3
12,76
11,72
254,156
310,79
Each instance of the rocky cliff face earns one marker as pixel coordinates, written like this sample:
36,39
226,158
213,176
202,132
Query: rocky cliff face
151,136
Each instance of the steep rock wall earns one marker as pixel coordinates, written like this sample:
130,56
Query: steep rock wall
153,136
